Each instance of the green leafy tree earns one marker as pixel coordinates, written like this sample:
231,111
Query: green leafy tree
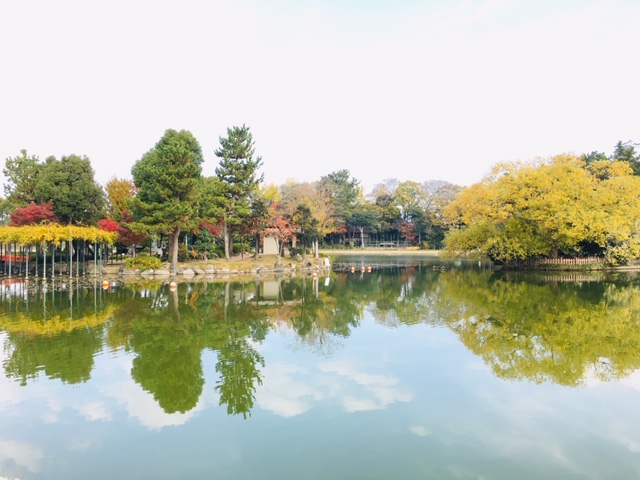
306,227
21,177
258,222
237,172
626,152
5,209
344,193
363,216
409,198
70,184
211,199
168,179
388,214
293,194
594,156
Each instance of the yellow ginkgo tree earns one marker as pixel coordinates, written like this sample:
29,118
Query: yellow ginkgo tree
548,208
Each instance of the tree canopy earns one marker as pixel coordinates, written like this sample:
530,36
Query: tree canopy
70,184
22,175
33,214
545,209
167,178
237,172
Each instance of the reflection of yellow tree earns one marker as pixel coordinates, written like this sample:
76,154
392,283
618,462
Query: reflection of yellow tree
54,324
538,331
61,343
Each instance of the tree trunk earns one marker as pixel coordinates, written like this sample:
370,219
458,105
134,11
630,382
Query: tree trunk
230,244
256,253
361,236
280,248
173,242
225,234
304,252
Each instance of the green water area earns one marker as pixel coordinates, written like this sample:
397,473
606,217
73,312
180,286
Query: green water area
421,370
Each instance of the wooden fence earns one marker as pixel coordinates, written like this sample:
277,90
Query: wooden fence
570,261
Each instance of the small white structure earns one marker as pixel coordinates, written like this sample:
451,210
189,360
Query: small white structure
270,246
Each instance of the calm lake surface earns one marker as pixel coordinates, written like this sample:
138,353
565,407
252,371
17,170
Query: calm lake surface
401,373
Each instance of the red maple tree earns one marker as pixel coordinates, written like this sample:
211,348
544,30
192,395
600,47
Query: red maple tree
32,214
126,236
108,225
280,228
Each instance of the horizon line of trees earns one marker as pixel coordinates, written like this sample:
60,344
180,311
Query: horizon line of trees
565,206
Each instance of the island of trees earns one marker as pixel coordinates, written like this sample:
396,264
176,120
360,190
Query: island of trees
568,206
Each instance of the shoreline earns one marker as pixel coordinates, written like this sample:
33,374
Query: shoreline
402,252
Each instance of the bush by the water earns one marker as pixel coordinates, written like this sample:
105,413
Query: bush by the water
143,262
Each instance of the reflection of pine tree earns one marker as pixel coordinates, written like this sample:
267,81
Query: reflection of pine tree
169,364
239,374
171,373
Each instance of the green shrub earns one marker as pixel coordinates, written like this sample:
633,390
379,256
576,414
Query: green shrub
239,247
205,243
183,253
143,262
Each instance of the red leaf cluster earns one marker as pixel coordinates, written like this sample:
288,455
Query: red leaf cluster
125,235
108,225
33,214
215,230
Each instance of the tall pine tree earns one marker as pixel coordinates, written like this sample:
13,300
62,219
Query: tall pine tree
167,178
238,173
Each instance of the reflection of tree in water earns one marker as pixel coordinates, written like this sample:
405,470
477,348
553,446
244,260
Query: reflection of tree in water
172,373
526,329
236,321
165,335
319,317
522,327
168,348
45,334
394,296
168,331
67,356
238,368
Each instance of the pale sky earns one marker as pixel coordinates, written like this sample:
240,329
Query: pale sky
413,90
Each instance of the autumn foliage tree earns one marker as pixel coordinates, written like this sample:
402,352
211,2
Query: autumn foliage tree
126,236
280,228
119,195
108,225
33,214
558,207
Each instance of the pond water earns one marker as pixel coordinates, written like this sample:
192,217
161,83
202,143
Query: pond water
458,372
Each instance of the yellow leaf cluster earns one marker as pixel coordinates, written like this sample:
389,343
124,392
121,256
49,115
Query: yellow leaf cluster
524,210
55,234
